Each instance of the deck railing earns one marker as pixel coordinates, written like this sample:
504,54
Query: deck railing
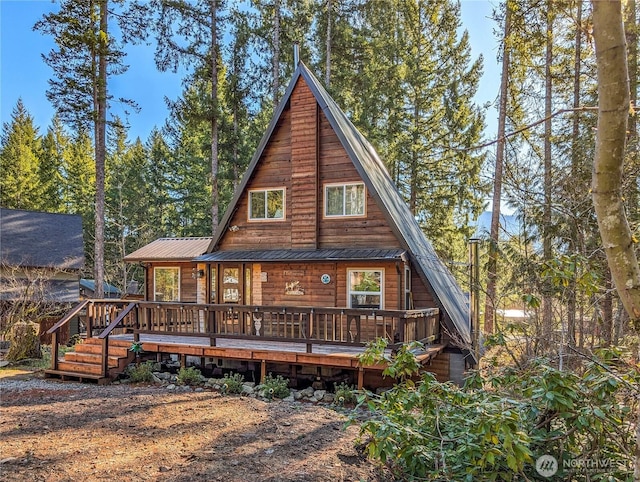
320,325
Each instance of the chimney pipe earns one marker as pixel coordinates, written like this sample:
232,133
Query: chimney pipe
296,55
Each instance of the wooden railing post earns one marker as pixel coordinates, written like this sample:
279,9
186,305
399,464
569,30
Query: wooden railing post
105,356
54,350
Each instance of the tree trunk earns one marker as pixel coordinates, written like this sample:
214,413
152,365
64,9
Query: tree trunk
613,114
100,146
214,118
492,264
575,169
547,313
327,69
276,53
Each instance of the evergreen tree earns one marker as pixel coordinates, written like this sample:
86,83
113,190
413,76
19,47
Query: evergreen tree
20,151
54,143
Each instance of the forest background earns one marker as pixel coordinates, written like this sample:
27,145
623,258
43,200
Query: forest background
405,73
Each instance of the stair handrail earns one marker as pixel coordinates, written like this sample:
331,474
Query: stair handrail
53,331
65,319
104,336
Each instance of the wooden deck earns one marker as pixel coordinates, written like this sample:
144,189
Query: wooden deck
303,339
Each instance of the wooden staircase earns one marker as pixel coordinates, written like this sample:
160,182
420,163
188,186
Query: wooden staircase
85,363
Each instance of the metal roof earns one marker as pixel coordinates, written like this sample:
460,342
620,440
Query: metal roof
432,270
360,254
170,249
44,240
90,284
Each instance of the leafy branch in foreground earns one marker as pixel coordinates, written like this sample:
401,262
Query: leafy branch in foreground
496,426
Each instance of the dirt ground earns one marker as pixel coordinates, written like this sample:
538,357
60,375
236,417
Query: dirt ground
56,431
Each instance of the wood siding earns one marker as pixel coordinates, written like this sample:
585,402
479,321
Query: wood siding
304,161
273,171
188,285
371,230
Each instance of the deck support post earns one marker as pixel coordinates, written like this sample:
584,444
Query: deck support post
54,350
263,370
105,356
360,378
183,361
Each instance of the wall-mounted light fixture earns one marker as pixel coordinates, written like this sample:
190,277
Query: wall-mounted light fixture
234,228
197,273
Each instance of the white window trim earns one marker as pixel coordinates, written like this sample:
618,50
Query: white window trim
344,184
175,268
265,190
349,292
407,287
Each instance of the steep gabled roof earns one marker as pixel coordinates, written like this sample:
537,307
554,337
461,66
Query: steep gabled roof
380,185
170,249
41,240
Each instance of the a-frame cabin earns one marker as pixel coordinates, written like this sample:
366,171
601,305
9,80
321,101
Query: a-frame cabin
317,247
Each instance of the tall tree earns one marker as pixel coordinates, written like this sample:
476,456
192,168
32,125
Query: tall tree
85,57
496,204
20,147
188,33
54,144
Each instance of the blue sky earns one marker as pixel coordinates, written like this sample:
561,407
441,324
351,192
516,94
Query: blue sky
23,73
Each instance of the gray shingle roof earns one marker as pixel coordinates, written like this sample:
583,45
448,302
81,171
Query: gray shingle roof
373,172
36,239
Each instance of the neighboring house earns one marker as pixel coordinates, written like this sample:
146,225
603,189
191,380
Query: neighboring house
88,289
316,222
37,246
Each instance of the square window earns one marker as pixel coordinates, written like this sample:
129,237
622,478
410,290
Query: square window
266,204
166,284
365,288
344,199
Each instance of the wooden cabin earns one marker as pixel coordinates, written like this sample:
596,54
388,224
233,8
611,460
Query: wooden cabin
317,247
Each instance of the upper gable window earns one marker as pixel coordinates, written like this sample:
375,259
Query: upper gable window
344,199
266,204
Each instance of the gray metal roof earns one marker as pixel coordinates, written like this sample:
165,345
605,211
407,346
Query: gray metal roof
170,249
360,254
432,270
41,240
90,284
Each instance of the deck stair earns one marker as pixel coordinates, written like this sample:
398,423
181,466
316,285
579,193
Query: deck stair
85,362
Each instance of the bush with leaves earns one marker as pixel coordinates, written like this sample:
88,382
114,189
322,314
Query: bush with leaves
189,376
232,383
140,373
345,394
275,387
496,426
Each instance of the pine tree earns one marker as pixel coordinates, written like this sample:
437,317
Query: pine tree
85,58
50,176
20,151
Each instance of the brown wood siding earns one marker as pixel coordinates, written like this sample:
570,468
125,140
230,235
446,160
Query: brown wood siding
371,230
391,280
188,285
308,275
304,152
439,366
422,297
273,171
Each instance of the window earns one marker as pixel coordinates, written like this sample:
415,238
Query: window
266,204
213,276
344,199
166,284
365,288
408,296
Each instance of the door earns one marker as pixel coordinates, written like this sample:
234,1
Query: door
231,283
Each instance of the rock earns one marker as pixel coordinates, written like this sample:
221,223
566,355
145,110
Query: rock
328,398
171,387
4,363
319,394
156,380
307,392
247,388
289,399
297,395
249,384
199,389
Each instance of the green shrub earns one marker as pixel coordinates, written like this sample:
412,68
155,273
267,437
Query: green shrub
189,376
140,373
501,422
345,394
275,387
232,383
